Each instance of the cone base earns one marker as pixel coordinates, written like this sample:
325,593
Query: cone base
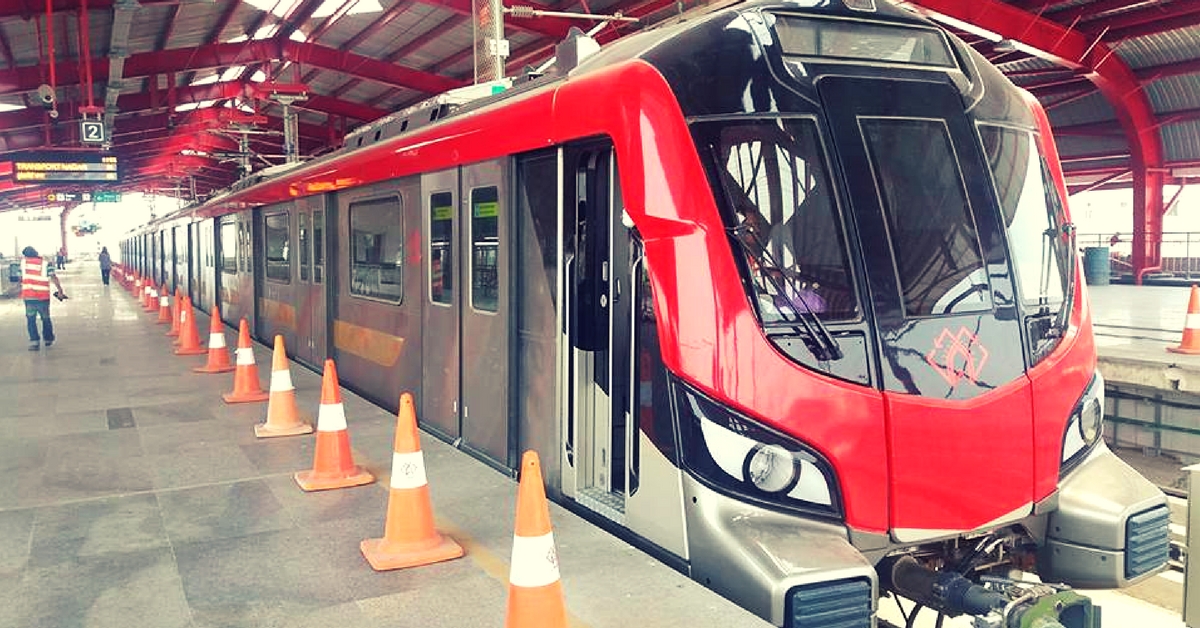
311,481
262,431
160,321
196,351
246,397
1184,350
383,558
174,333
214,369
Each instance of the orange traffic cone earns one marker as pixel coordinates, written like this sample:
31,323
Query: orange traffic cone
409,539
151,304
175,309
145,295
246,388
283,419
333,462
164,308
189,338
1191,326
218,352
535,596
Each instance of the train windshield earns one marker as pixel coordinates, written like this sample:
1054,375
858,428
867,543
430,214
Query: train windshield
1033,216
774,180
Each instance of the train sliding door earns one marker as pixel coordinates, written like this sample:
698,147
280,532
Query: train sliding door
466,362
310,287
440,381
276,279
619,459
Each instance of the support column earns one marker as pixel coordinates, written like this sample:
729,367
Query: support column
63,226
1147,221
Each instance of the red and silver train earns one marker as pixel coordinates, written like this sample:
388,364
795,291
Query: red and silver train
786,293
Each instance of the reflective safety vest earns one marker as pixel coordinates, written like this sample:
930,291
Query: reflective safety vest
35,280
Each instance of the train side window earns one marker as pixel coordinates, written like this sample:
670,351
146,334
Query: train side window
305,253
377,249
934,242
278,261
441,247
485,248
318,244
229,247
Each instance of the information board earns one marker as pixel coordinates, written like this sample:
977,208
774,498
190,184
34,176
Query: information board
65,167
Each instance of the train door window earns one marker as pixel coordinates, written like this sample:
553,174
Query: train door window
377,249
229,247
485,248
932,231
318,244
305,252
441,247
1027,202
277,251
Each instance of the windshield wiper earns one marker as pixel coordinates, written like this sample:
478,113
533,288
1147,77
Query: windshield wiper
823,345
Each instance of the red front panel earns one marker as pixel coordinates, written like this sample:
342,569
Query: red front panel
957,465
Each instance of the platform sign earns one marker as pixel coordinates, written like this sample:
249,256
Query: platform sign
91,131
70,197
106,197
65,167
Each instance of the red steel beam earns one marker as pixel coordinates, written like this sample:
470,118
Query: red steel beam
1071,49
417,42
27,78
1096,10
554,27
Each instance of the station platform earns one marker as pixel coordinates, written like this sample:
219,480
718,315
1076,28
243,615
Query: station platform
132,495
1133,326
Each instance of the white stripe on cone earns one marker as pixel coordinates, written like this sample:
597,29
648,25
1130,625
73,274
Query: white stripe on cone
331,417
245,356
281,381
164,301
408,470
1192,321
534,561
216,340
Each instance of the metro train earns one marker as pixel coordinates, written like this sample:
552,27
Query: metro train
784,292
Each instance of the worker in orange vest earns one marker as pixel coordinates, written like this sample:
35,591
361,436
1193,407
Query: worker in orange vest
36,275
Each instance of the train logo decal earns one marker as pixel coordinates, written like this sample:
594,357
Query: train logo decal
957,356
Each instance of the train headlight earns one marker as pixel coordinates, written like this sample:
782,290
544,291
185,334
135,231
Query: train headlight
735,454
1086,424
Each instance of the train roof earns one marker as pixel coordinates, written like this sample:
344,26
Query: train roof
422,122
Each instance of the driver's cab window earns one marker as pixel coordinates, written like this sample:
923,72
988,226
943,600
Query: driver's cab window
772,181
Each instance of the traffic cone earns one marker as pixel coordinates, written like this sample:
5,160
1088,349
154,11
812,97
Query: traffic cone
333,462
1191,326
409,538
218,352
145,296
189,338
175,309
164,308
283,419
535,596
151,304
246,388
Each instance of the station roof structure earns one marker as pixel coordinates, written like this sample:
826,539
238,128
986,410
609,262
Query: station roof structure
172,79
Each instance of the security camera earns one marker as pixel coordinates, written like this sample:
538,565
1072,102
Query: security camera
46,95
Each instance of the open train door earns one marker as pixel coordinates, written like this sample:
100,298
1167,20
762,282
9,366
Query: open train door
612,465
959,407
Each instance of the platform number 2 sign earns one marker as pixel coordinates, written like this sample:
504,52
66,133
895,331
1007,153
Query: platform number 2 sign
92,131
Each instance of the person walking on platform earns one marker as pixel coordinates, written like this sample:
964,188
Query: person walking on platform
62,259
105,264
36,275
